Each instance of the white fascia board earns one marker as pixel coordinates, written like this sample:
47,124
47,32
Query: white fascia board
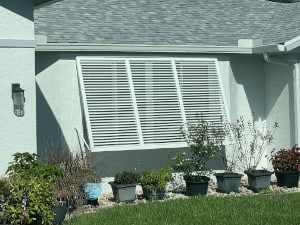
17,43
76,47
289,45
292,44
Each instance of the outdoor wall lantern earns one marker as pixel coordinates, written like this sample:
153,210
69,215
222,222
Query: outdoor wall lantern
18,99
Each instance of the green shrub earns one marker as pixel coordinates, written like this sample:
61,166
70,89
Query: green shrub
4,191
155,179
126,177
31,195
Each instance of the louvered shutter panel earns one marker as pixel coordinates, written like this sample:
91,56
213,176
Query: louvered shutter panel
109,104
201,90
140,103
157,100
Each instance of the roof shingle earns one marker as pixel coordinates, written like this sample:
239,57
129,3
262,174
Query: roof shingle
168,22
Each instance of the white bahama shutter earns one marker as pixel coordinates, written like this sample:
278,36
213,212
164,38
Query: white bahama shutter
157,100
201,89
140,103
110,112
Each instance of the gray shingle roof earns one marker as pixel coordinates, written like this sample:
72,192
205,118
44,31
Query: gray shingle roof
168,22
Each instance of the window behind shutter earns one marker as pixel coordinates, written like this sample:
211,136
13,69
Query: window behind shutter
140,103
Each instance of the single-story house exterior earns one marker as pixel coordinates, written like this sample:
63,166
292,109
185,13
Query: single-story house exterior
120,77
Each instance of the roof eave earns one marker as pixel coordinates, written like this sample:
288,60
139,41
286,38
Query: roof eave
41,3
290,45
82,47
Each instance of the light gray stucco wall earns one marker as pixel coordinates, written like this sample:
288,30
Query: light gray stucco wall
280,103
59,110
247,87
249,83
58,100
16,19
16,66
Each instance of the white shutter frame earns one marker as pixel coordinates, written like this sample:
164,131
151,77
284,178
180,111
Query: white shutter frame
84,103
210,72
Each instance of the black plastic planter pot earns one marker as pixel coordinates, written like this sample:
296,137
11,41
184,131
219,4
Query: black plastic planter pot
123,192
154,194
287,178
60,212
198,187
228,182
258,179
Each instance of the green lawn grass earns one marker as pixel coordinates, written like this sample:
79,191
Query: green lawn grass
275,209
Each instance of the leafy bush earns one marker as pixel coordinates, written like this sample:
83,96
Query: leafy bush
4,191
126,177
286,159
204,140
31,194
155,179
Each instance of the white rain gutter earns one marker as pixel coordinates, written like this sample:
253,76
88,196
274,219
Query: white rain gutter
296,85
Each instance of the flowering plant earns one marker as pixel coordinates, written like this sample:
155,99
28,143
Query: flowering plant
204,140
286,159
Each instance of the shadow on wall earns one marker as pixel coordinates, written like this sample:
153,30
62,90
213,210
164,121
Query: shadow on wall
49,133
248,71
107,164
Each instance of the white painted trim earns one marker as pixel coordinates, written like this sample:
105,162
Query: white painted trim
17,43
80,47
134,103
296,78
292,44
144,147
179,95
84,103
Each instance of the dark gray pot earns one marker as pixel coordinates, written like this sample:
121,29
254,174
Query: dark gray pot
60,212
123,192
154,194
258,179
197,187
287,178
228,182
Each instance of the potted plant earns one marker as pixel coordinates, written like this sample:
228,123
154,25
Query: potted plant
124,186
77,172
250,141
286,164
154,183
204,140
229,180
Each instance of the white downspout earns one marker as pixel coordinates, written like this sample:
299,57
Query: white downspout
296,101
296,86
